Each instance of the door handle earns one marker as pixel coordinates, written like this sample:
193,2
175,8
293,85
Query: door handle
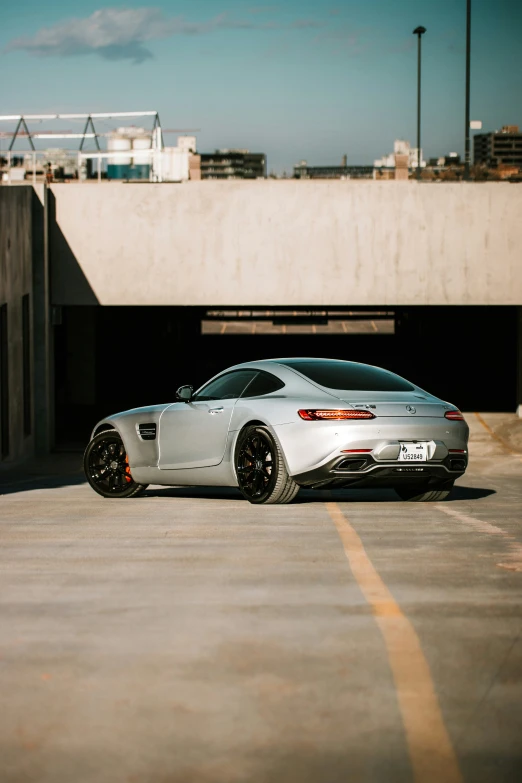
216,410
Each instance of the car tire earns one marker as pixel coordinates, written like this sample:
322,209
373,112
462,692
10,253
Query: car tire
421,494
107,468
260,468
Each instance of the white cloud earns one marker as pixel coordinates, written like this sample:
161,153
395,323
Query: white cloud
121,33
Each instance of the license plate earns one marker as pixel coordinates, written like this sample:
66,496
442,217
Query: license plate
413,452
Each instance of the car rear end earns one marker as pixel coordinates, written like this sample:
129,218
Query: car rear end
376,442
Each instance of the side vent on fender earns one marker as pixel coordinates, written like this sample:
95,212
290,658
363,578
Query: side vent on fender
147,431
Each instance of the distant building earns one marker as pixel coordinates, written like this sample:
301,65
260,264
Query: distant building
195,167
187,143
387,173
453,159
233,164
181,163
402,167
401,147
303,171
503,147
131,159
55,164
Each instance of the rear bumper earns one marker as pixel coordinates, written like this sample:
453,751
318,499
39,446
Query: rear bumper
363,470
308,445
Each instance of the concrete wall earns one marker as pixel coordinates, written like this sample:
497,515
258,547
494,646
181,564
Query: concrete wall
287,243
16,279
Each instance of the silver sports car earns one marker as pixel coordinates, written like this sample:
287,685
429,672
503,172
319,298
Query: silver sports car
273,426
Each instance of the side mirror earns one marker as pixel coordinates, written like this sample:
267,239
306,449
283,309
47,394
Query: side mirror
184,393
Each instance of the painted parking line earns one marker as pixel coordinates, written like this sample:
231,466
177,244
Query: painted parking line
432,755
513,561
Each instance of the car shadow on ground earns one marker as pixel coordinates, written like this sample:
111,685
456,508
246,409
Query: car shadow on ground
194,493
309,495
64,471
304,496
470,493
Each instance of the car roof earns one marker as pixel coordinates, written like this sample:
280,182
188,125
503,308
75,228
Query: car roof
282,360
286,367
297,379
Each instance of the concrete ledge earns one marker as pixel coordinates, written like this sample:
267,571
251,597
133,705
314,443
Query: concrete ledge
286,243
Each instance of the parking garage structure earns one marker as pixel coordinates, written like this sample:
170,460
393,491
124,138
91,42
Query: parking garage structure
136,290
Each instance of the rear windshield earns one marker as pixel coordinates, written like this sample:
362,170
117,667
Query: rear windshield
350,376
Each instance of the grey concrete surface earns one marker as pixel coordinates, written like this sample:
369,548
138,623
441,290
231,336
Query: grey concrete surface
287,243
190,637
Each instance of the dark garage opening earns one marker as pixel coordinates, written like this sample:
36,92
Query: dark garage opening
109,359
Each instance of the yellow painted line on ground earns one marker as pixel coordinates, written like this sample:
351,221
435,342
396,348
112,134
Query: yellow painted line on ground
431,752
498,438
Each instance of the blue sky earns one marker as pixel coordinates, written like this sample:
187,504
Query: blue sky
296,79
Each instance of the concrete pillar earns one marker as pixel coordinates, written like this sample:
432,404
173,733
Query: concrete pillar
16,295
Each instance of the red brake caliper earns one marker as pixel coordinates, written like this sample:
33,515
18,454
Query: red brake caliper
128,476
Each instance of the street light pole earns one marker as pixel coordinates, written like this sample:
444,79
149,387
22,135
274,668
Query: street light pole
468,48
419,32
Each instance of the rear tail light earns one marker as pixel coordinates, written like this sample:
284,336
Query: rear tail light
454,415
355,451
334,415
457,451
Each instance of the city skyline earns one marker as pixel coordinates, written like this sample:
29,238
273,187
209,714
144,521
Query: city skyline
293,80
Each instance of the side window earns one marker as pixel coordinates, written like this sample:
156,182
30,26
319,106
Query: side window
263,383
226,387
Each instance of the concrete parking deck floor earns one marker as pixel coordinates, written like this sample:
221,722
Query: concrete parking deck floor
189,637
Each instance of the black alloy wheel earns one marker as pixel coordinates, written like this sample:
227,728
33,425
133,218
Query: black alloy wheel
255,465
107,468
261,473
